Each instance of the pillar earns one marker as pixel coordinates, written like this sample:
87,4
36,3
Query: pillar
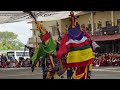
92,23
112,18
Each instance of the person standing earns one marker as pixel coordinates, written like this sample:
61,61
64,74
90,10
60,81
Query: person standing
31,52
79,51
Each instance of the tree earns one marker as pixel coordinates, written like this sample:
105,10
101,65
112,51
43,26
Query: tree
9,41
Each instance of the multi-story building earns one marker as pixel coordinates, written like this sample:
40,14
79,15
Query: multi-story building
103,27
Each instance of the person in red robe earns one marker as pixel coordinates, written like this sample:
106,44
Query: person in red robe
77,45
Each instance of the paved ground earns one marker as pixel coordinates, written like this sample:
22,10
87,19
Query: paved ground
106,73
25,73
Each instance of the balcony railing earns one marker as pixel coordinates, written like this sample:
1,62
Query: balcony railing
107,31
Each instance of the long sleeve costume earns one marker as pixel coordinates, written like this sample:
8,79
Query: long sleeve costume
45,50
79,52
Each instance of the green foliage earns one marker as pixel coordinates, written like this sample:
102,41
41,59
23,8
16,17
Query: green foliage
9,41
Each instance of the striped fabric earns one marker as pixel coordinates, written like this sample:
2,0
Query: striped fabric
83,39
79,51
79,56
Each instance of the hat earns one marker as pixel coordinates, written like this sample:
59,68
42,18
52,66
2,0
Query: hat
39,25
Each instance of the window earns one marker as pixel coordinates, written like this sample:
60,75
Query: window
108,23
94,26
118,22
10,54
99,24
66,28
89,27
19,53
55,30
22,53
34,32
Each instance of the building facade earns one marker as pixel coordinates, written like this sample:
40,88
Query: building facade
106,21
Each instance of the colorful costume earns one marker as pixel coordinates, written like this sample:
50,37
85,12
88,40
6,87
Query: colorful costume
46,50
79,52
76,44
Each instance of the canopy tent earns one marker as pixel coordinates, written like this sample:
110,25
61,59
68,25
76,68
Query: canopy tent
16,16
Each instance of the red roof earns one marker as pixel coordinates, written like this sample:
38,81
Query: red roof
106,37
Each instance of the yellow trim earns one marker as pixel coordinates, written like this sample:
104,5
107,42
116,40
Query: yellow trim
47,41
51,58
90,67
86,70
45,61
48,75
37,65
68,68
78,76
80,56
39,26
73,69
56,76
43,32
74,76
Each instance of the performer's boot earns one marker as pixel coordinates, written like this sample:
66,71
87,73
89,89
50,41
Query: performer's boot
44,75
69,73
89,69
80,73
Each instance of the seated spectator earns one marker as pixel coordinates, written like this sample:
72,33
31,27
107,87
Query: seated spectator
10,64
107,59
16,63
19,63
0,64
83,28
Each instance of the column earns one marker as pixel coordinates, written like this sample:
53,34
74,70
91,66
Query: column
112,18
92,23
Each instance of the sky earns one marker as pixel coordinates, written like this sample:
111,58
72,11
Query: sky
22,29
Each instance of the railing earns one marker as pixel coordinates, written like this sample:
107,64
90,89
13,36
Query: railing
107,31
98,32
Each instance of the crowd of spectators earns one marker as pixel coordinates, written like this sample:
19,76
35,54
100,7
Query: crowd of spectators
98,32
5,63
107,59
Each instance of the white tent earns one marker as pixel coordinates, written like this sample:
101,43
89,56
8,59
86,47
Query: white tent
56,15
16,16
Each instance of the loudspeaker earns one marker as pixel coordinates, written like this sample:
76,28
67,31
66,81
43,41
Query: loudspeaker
110,30
119,29
116,29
